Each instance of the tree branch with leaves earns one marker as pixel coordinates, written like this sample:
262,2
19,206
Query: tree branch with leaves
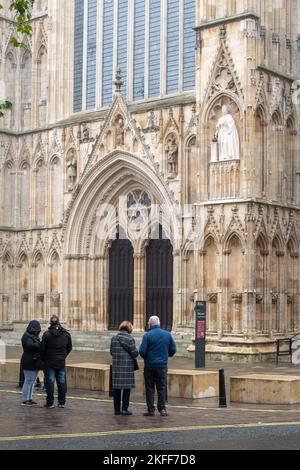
22,10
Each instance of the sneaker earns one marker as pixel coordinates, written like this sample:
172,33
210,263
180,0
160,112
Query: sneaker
33,402
60,406
126,413
149,413
117,413
49,407
27,403
163,413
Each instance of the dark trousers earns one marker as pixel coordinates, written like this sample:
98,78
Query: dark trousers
118,398
156,378
61,379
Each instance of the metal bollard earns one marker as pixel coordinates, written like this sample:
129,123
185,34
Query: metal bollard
222,389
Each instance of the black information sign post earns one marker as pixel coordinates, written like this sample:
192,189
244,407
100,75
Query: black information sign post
200,311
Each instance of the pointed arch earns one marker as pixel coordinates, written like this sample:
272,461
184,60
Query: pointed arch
26,88
42,84
24,194
10,68
9,193
191,168
231,238
114,175
56,189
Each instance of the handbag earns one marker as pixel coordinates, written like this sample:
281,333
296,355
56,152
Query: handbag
135,362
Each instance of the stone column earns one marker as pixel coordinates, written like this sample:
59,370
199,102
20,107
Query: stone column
84,287
40,301
184,288
139,292
177,314
55,304
248,325
282,305
24,299
237,300
48,288
275,307
1,311
65,311
5,308
212,300
224,301
103,275
259,322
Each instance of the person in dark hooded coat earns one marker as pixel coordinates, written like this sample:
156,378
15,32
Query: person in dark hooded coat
56,346
31,362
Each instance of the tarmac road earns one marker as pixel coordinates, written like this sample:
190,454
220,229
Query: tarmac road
88,424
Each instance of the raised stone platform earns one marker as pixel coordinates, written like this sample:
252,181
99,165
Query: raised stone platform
182,383
94,377
265,389
10,371
192,384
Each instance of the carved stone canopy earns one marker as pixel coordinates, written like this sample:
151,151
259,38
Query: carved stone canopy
237,298
40,297
212,298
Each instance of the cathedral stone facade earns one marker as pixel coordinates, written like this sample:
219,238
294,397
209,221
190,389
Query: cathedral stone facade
151,158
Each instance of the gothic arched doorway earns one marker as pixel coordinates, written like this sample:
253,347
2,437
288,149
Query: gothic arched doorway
120,283
159,281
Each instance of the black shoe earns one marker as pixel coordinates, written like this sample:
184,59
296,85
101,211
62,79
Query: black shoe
126,413
149,413
27,403
117,413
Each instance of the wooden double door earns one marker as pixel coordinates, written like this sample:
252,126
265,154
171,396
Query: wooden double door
158,288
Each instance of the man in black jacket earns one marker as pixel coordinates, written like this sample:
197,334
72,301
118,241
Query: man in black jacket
56,346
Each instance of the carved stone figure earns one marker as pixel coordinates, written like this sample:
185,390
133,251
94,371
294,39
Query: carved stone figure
71,170
172,156
227,136
120,132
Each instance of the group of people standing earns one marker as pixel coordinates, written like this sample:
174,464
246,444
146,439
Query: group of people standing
50,353
156,348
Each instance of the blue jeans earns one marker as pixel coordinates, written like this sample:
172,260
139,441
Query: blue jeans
61,379
29,383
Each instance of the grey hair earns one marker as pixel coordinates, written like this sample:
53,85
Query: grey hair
154,321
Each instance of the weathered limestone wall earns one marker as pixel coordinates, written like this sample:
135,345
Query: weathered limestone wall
56,168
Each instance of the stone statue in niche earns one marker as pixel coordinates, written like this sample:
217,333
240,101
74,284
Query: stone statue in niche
227,138
71,170
120,132
172,156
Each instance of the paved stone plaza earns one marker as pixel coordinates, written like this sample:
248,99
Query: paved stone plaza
88,421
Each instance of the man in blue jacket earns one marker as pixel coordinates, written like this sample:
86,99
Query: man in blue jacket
156,348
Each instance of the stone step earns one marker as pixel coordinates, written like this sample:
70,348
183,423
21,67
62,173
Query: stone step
89,342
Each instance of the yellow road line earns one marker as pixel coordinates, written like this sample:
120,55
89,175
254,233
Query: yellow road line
146,431
179,407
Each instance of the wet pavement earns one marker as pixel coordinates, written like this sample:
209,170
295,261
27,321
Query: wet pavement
88,421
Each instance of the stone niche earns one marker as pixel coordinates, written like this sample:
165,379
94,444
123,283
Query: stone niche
224,170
